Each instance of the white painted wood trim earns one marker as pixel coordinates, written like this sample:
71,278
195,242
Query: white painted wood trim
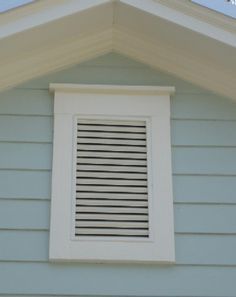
182,12
88,44
161,56
159,248
56,58
42,12
111,89
201,13
125,42
190,20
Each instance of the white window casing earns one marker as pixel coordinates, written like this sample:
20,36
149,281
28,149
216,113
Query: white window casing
112,195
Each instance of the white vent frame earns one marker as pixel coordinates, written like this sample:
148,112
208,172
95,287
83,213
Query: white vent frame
108,102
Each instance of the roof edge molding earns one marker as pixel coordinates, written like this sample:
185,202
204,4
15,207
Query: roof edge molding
161,56
42,12
173,36
186,14
56,58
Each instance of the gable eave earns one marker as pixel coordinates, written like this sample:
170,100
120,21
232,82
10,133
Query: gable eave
41,13
108,27
190,16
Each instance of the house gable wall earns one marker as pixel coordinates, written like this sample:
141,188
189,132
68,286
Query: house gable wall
204,177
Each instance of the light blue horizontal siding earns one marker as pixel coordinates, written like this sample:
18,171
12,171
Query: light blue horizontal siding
221,161
204,186
24,246
18,184
211,161
205,250
24,214
25,129
125,75
190,189
34,184
26,102
194,249
203,133
124,280
203,106
205,218
34,215
25,156
184,132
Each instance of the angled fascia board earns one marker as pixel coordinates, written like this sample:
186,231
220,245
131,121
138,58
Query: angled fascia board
199,12
36,61
181,12
42,12
187,16
73,51
182,64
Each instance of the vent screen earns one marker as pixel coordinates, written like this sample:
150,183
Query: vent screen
111,179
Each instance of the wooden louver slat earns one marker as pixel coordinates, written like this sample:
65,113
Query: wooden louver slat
111,179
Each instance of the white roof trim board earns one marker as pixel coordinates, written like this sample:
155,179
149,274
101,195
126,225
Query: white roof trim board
176,36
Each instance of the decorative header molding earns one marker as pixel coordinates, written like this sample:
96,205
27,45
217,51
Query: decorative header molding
111,89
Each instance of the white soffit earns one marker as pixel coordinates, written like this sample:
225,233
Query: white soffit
175,36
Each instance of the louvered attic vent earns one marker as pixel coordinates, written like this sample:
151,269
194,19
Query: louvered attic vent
111,179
